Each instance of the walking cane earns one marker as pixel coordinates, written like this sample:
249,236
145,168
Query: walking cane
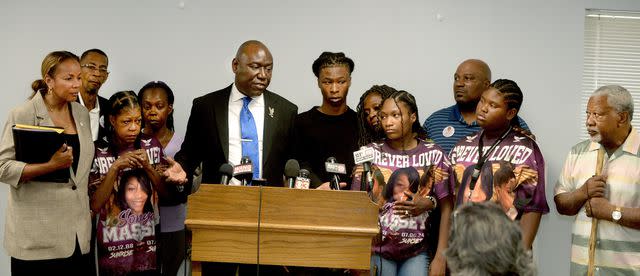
594,221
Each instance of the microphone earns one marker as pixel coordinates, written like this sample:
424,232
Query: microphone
244,171
474,178
291,170
303,181
226,170
334,169
365,156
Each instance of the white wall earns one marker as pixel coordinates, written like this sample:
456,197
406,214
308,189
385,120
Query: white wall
400,43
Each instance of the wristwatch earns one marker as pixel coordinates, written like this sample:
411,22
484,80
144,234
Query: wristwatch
616,215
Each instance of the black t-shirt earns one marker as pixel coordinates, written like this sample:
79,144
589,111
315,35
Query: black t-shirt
320,136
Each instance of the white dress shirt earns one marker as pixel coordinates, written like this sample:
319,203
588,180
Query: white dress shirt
94,117
256,106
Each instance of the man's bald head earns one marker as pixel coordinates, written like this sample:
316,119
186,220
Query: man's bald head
250,45
479,66
252,66
472,77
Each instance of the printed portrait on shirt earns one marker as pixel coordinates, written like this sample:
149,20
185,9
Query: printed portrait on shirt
428,175
483,188
504,181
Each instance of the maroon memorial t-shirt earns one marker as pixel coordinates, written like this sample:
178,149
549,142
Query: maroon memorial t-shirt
517,157
126,241
402,238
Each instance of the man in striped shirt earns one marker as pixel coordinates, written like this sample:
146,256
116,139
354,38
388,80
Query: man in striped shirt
611,197
448,125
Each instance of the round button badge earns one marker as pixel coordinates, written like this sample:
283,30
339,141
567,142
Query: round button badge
448,131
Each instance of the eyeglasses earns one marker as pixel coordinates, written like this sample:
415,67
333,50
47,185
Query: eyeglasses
93,68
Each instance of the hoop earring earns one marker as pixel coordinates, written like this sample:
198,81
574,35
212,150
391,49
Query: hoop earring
50,90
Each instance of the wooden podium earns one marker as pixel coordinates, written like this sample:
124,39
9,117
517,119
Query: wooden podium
281,226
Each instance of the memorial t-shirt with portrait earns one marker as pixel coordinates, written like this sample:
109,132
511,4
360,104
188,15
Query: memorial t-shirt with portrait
402,238
126,239
516,154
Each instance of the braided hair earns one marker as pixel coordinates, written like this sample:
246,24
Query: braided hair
366,134
329,59
410,102
167,91
118,102
513,97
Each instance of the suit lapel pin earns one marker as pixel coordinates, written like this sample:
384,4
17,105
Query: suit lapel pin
271,112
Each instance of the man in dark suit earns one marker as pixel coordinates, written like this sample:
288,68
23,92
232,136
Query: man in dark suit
94,63
216,133
214,129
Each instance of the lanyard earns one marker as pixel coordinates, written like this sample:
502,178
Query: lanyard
482,158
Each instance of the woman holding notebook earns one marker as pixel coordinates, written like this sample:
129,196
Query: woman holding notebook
48,224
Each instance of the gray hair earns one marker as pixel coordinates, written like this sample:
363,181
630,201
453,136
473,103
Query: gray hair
484,241
618,98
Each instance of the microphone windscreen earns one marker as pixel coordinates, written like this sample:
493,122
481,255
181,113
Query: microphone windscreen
226,169
304,173
291,168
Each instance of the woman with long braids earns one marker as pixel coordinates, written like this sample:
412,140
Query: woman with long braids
125,241
402,248
477,158
369,128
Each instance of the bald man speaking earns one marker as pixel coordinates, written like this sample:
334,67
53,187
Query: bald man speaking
243,119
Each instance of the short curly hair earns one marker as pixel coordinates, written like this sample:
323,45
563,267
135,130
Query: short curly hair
484,241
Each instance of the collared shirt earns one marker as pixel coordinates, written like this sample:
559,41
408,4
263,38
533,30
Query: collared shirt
617,247
94,117
256,106
447,126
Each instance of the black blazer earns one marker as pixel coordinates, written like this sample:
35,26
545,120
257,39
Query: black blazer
207,137
104,112
104,116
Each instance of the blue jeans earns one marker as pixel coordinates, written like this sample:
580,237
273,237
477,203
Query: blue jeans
415,266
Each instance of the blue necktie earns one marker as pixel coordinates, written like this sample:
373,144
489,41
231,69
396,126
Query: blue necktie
249,136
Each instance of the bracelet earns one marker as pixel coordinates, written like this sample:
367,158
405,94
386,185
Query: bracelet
435,203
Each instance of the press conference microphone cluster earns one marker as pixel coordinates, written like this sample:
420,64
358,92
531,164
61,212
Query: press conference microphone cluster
334,168
365,156
291,171
226,172
244,171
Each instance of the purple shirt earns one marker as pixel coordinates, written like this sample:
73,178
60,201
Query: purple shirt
172,217
125,241
174,145
517,158
405,238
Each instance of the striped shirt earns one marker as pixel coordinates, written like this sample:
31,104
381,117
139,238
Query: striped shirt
617,247
447,126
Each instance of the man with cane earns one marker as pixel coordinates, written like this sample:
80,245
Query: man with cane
603,193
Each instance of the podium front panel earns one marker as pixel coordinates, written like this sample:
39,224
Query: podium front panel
224,223
313,228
